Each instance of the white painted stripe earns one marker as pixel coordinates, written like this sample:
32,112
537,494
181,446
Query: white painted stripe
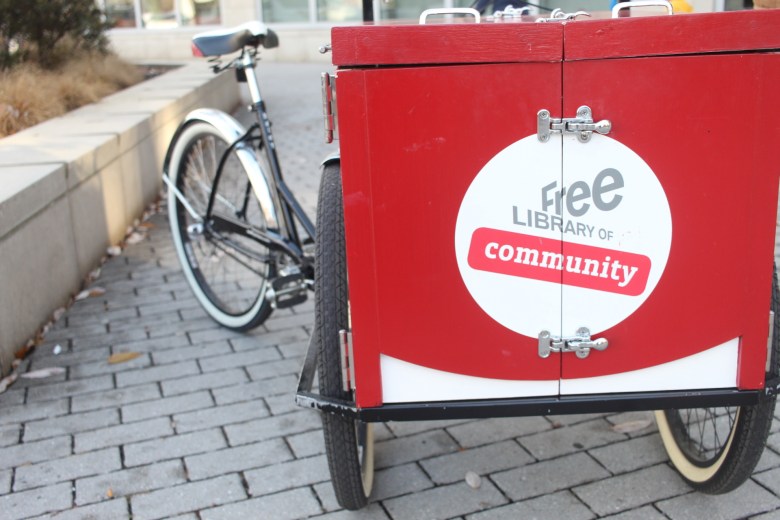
713,368
404,382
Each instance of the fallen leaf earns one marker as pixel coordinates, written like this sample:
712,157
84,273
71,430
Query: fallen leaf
43,373
110,493
631,426
135,238
122,357
58,313
22,352
473,480
7,381
114,251
94,274
90,293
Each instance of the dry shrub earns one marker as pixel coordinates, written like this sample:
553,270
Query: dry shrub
29,95
26,99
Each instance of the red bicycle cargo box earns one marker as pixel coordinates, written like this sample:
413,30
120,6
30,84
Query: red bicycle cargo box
555,209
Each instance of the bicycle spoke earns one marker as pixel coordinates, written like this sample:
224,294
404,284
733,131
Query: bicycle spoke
201,177
246,252
230,269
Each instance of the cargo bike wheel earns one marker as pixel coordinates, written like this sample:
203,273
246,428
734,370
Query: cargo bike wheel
716,449
349,443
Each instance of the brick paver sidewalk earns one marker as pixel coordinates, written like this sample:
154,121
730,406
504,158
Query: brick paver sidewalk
202,423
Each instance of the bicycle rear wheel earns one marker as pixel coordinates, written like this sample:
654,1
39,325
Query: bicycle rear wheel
716,449
349,443
227,271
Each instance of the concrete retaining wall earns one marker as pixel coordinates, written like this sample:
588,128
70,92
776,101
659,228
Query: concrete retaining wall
69,188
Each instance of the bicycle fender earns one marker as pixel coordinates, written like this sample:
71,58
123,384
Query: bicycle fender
332,158
231,130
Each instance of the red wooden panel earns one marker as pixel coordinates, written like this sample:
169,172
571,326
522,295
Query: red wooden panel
412,140
704,125
356,186
446,43
677,34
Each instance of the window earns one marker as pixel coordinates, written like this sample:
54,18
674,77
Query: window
161,14
336,11
120,13
286,11
199,12
158,14
408,9
339,10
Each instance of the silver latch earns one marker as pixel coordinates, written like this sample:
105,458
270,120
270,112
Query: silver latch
581,343
583,125
329,106
509,12
558,15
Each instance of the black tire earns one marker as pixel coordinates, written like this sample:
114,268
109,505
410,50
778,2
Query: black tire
228,273
716,449
349,443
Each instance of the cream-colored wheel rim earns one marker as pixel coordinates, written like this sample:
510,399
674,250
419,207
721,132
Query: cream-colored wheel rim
684,466
367,466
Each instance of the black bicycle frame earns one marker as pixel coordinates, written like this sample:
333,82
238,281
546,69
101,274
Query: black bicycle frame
288,241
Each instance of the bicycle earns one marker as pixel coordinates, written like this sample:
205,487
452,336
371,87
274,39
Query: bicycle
234,221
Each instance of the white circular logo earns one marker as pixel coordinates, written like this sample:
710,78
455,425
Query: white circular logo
555,238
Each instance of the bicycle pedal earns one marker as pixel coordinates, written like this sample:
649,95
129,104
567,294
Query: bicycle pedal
286,291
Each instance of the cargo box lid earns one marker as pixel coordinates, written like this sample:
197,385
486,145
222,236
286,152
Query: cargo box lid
446,43
519,41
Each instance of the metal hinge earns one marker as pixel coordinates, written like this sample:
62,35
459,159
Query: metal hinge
347,362
582,125
329,106
558,15
581,343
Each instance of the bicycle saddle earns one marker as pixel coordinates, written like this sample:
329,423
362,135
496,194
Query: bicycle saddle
225,41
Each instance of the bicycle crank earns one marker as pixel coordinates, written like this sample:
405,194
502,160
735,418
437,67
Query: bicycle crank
286,291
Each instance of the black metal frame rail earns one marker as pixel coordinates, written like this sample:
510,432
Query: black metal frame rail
520,407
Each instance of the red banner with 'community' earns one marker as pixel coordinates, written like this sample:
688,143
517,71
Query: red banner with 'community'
556,261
